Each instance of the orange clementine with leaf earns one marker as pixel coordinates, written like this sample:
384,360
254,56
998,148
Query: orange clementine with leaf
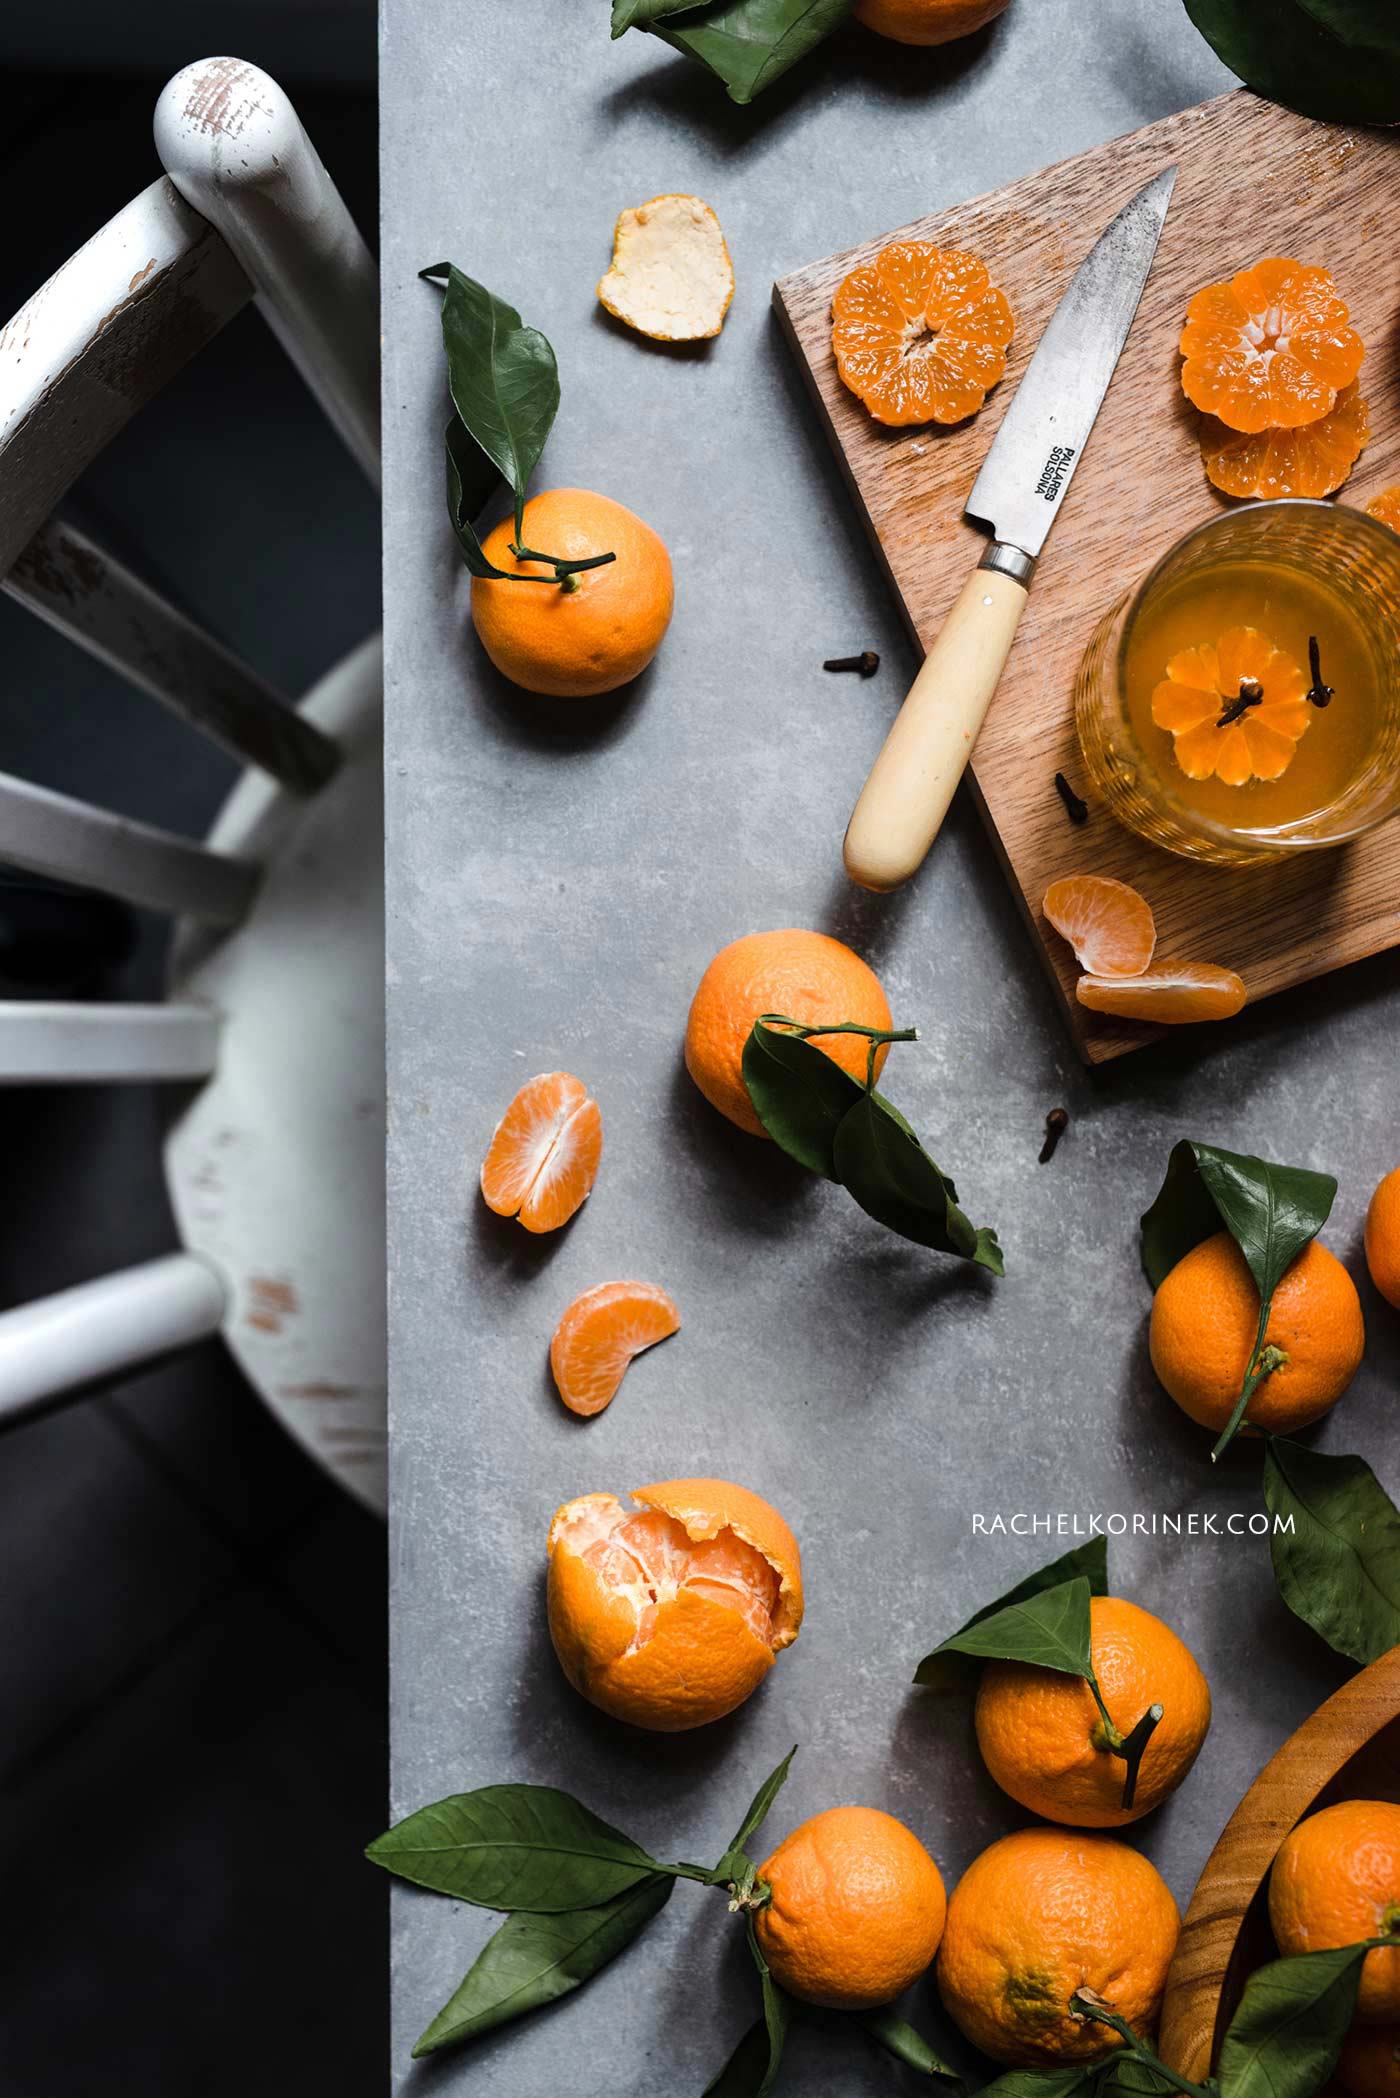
1043,1737
670,1614
855,1909
1205,1320
1336,1881
1041,1914
602,627
807,977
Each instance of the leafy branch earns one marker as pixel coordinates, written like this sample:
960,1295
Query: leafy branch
849,1133
748,44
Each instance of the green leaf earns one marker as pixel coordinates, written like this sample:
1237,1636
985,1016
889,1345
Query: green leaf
951,1667
467,470
743,2074
640,14
1272,1212
799,1094
1046,1630
1365,22
1339,1569
1122,2075
762,1801
777,2012
513,1847
752,43
501,375
878,1158
908,2046
1068,2082
1283,50
533,1960
1286,2035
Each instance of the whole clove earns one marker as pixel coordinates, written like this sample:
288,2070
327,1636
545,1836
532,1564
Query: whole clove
1251,694
1319,695
1078,809
1056,1123
867,662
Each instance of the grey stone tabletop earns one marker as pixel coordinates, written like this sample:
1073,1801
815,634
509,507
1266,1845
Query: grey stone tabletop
558,877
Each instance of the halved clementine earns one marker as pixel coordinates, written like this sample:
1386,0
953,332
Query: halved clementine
1170,993
920,334
1235,708
600,1333
1110,927
1269,465
543,1156
1269,346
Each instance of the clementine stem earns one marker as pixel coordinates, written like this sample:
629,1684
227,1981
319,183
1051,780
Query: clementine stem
1086,2005
1263,1363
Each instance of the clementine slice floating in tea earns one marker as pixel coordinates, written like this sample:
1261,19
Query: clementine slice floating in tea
920,333
1269,347
1110,927
1386,506
543,1157
600,1333
1170,993
1272,464
1235,709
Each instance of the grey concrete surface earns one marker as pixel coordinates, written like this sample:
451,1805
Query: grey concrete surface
558,878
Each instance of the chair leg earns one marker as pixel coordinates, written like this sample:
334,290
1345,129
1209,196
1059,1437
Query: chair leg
61,1346
50,1044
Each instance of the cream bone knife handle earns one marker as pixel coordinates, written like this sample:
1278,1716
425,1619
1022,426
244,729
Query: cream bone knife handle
903,803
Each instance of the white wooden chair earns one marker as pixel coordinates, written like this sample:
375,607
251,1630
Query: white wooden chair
272,1036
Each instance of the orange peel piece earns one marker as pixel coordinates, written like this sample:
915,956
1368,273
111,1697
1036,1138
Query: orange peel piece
921,333
1269,347
1171,993
671,277
1270,465
1203,685
1108,924
600,1334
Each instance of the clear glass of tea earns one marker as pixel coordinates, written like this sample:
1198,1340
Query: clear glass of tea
1244,699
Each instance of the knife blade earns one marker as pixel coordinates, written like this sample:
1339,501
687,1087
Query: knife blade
1019,491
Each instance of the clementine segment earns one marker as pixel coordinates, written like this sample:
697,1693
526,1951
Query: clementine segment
1110,927
1271,465
1336,1881
1269,346
921,333
1386,507
1171,993
1205,1317
1045,1912
671,1615
856,1910
1236,708
1042,1736
602,630
1383,1238
803,975
543,1157
599,1335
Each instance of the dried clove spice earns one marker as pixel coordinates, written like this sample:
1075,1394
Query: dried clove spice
1056,1123
1077,808
1319,695
867,662
1251,695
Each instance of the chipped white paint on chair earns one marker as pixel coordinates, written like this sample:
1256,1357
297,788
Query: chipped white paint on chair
275,1161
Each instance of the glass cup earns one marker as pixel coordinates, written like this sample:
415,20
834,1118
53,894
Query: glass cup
1299,571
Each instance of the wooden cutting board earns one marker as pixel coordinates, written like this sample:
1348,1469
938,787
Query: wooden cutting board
1254,180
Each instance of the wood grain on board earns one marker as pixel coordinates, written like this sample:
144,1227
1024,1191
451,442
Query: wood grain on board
1254,180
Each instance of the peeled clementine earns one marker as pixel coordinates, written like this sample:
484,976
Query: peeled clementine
920,334
543,1156
856,1909
671,1615
1269,346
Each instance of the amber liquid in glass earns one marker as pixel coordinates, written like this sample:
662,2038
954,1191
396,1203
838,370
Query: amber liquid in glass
1288,605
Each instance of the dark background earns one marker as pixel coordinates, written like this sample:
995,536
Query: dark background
192,1625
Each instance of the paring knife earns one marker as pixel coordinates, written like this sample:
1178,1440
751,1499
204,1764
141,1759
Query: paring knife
1018,493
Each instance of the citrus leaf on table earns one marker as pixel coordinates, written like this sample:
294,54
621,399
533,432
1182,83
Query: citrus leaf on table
878,1158
1339,1567
777,2013
743,2074
761,1802
470,480
908,2046
640,14
1048,1630
752,43
952,1666
534,1960
1066,2082
513,1847
1284,2039
799,1094
501,375
1284,51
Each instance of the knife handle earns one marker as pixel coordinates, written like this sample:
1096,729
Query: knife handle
904,801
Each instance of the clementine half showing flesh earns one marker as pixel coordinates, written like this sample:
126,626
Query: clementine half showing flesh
1205,1319
1041,1914
1336,1881
805,976
1043,1737
671,1614
543,1156
1269,347
1270,465
598,632
921,333
1235,708
856,1909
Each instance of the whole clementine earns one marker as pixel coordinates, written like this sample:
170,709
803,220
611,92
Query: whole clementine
804,975
1383,1238
1045,1912
1369,2065
1336,1881
1043,1739
671,1615
926,21
1205,1316
601,630
856,1909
